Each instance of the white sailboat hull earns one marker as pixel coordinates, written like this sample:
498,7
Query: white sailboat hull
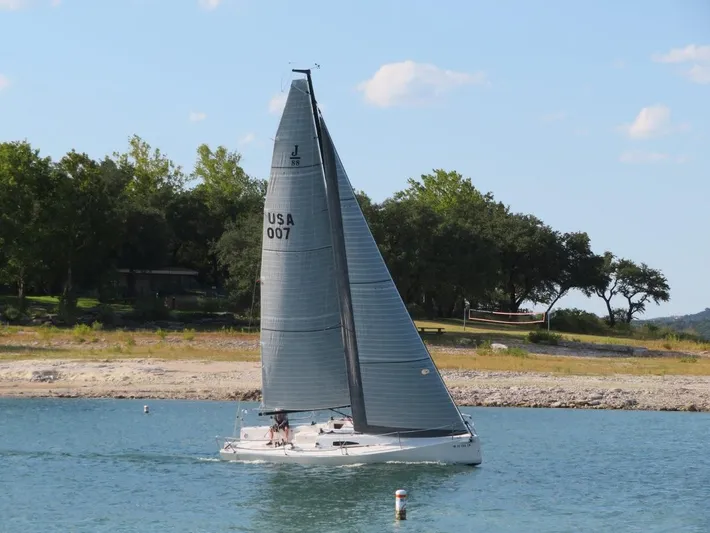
319,444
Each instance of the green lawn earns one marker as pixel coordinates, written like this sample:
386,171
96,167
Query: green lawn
475,331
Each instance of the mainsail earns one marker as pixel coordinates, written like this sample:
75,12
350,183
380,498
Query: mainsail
303,365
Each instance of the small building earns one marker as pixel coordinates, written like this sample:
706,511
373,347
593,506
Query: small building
171,280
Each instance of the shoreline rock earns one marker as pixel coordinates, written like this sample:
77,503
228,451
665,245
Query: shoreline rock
231,381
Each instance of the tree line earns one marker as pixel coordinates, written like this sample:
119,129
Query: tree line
66,226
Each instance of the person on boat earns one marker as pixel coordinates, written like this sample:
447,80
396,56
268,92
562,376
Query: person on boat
280,424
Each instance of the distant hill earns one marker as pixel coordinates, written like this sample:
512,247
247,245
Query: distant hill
698,323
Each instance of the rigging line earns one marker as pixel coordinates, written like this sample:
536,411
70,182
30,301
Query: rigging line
341,413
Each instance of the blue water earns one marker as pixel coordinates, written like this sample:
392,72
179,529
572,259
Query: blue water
103,466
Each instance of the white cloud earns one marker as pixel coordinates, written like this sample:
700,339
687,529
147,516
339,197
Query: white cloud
209,4
277,103
16,5
12,5
651,121
408,82
692,52
641,157
619,63
246,139
699,74
196,116
698,55
554,117
4,82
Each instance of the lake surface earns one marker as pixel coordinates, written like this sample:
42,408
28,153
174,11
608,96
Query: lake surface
104,466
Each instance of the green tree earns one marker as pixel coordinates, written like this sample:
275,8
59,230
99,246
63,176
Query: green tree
580,269
145,245
223,203
239,252
156,179
440,236
529,253
640,284
226,188
25,178
607,286
85,232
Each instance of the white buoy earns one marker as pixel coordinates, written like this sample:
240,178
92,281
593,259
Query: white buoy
145,409
400,504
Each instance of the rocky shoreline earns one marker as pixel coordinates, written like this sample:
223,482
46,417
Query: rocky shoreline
231,380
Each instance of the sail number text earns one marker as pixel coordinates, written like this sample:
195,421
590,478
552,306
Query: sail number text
282,223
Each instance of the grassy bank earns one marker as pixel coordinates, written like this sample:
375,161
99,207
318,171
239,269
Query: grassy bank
519,333
86,343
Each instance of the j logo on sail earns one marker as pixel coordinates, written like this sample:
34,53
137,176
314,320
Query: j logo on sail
295,158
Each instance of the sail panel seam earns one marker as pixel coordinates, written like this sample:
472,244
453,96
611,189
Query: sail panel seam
394,362
297,251
370,282
298,167
301,330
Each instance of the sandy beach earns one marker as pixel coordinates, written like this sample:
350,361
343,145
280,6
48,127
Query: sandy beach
232,380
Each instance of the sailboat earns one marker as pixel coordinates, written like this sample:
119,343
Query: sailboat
335,333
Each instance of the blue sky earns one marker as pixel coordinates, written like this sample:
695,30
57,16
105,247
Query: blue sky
593,116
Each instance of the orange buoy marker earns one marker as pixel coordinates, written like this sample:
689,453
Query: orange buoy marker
400,504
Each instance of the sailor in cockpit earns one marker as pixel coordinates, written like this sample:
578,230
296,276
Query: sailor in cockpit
280,424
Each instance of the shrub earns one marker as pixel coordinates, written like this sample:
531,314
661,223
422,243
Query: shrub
577,321
188,334
80,332
12,314
517,352
544,337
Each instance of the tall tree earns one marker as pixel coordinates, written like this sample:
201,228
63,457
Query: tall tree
25,178
226,188
156,178
239,252
529,254
640,284
607,286
86,219
450,248
226,199
580,269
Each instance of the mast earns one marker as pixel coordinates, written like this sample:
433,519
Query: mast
327,152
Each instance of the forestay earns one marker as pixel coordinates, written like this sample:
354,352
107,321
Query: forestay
303,362
402,388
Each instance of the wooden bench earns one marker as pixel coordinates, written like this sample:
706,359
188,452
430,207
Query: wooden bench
438,331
